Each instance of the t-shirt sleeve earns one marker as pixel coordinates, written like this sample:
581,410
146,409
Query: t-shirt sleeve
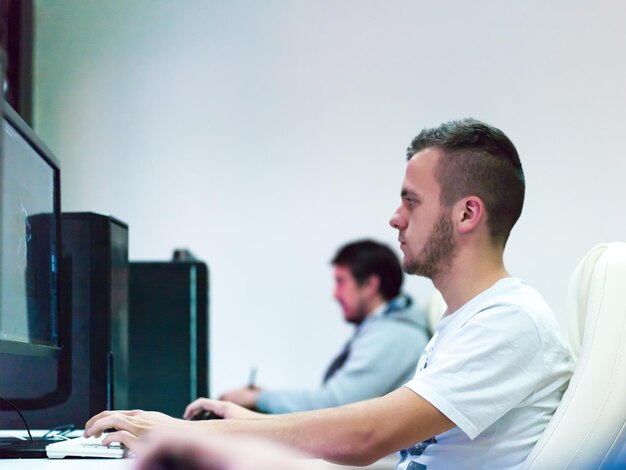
487,367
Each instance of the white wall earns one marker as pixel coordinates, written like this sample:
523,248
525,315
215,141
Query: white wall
262,135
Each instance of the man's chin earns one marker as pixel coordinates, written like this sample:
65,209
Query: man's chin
354,319
417,270
410,267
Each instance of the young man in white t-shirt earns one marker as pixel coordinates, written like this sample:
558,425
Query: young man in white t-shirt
495,370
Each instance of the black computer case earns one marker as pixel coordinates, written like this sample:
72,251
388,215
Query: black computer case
168,335
94,286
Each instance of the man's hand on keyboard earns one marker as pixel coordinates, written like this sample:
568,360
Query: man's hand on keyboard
225,409
129,425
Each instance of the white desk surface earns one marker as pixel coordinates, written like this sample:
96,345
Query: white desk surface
128,464
388,463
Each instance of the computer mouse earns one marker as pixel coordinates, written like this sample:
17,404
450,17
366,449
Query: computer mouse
205,414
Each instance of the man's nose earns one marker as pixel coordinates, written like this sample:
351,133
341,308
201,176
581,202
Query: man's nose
397,220
336,293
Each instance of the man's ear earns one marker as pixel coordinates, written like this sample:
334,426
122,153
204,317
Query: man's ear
470,213
372,283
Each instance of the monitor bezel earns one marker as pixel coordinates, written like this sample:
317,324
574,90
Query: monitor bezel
33,349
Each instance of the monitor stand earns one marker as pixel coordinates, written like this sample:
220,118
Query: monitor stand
16,448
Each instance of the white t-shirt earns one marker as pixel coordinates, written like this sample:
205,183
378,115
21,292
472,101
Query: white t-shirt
497,367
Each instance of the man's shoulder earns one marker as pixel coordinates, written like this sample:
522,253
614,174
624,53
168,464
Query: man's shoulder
512,295
409,318
514,309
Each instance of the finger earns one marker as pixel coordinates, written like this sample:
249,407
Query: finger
112,420
105,414
93,419
203,404
193,407
123,437
95,428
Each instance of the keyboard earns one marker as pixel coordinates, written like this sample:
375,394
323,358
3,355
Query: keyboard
86,447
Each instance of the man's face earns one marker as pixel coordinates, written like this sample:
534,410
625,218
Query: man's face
351,296
426,232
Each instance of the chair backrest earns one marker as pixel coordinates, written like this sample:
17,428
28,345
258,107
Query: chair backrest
435,309
588,428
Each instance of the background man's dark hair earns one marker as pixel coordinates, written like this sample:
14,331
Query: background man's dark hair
365,258
478,160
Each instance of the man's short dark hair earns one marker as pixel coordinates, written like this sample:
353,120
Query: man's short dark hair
480,160
365,258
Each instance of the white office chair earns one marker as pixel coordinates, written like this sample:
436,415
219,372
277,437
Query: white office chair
435,309
588,429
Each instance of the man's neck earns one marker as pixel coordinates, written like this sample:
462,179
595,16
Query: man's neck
374,305
468,276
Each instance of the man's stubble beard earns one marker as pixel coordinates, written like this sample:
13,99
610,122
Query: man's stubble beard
359,314
438,251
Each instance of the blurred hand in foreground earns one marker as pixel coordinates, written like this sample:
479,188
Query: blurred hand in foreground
177,451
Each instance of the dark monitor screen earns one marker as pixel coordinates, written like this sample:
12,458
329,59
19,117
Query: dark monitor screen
32,327
29,247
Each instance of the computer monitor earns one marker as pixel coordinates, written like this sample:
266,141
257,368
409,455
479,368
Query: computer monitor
34,328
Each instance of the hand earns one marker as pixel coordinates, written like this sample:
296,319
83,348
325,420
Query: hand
196,452
224,409
129,425
244,396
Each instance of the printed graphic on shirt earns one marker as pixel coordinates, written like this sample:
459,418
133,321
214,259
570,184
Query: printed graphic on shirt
415,451
423,362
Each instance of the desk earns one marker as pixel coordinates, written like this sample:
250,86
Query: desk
387,463
69,464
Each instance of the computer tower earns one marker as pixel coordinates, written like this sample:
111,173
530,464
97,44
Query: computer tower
93,285
168,334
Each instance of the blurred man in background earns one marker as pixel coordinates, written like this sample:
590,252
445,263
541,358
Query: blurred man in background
389,336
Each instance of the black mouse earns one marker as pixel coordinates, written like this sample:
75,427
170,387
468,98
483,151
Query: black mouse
205,414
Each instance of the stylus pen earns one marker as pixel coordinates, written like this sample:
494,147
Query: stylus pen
252,379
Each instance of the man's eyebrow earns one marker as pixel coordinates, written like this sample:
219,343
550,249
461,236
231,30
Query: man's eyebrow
407,192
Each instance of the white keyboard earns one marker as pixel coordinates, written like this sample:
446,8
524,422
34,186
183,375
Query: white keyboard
86,447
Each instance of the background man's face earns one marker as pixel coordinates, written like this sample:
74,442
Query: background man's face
351,296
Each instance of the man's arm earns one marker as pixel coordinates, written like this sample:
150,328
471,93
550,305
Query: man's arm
382,358
356,434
